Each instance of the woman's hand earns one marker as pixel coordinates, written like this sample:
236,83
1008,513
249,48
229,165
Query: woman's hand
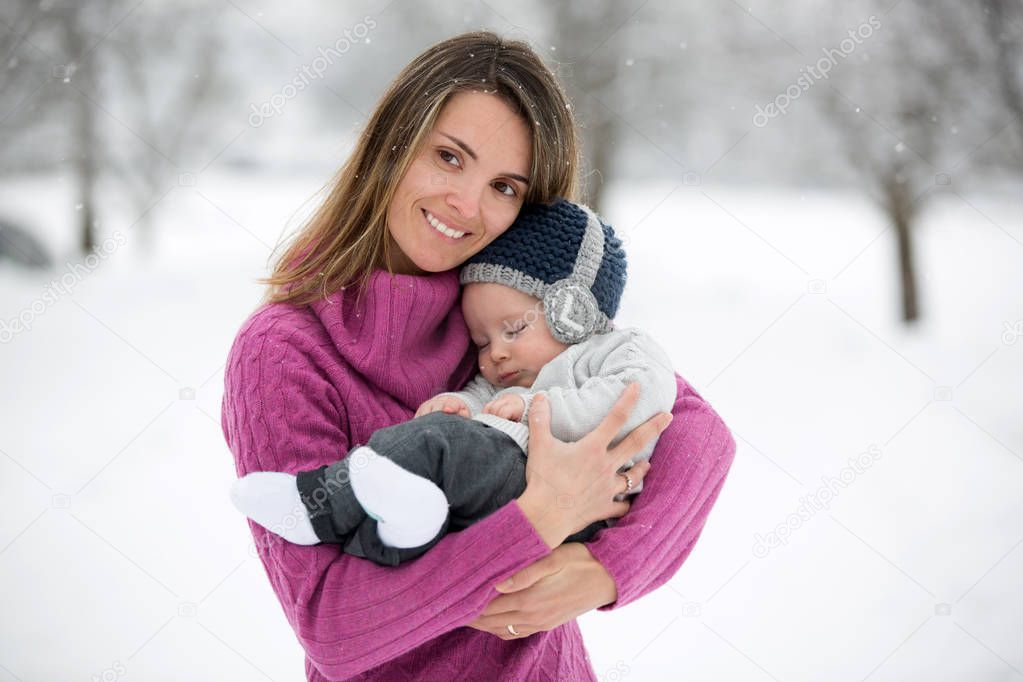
444,403
571,485
563,585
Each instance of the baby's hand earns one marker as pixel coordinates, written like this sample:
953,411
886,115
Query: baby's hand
509,406
444,403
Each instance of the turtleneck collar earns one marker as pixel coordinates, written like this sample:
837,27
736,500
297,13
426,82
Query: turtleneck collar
407,337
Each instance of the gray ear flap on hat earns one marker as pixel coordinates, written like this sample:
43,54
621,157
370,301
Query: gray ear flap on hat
571,311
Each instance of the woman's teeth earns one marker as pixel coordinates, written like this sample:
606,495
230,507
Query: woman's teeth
442,228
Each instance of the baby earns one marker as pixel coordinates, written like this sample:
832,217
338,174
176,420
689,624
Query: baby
538,302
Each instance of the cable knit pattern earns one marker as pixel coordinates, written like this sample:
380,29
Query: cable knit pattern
304,384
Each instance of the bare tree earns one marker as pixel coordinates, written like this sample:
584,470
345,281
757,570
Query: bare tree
71,65
589,72
166,84
1002,19
903,111
47,47
17,53
75,24
619,77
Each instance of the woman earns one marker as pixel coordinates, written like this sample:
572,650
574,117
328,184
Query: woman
362,324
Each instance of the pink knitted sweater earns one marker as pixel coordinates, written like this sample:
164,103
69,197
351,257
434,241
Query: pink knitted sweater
304,384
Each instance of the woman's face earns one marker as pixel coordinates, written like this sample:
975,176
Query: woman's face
464,188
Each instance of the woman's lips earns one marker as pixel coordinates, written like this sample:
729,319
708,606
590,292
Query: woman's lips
440,234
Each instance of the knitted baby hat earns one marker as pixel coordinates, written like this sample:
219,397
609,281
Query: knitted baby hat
564,255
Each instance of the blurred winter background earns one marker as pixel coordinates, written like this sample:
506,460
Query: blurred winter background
822,209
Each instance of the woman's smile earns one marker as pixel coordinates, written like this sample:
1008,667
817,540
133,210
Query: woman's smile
442,228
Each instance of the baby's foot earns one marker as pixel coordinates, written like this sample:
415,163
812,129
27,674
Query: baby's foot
410,510
271,499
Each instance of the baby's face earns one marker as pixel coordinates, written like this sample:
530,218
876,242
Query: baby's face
509,328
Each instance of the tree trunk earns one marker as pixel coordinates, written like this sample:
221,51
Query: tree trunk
85,170
80,80
902,212
907,269
597,143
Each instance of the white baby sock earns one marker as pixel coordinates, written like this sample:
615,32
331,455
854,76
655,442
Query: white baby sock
271,499
410,510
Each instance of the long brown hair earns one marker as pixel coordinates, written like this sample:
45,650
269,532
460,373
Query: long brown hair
346,237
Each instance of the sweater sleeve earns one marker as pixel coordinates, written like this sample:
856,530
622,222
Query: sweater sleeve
349,614
645,548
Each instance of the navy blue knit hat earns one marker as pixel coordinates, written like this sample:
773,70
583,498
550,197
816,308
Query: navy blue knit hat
564,255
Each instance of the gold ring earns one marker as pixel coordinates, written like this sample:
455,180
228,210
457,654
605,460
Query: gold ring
628,480
511,629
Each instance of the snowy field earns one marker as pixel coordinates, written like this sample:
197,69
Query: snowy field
870,527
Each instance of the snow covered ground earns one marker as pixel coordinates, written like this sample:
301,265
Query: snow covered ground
870,527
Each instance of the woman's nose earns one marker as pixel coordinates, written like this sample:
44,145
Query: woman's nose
465,199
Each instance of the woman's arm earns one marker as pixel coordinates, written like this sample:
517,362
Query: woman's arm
688,467
280,413
646,546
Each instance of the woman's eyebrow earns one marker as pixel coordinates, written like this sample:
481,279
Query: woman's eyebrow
468,150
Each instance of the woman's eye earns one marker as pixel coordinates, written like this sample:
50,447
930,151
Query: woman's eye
448,157
504,188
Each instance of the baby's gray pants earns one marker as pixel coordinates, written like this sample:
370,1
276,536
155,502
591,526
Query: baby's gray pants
479,468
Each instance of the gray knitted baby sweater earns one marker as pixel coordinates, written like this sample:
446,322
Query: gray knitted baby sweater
583,383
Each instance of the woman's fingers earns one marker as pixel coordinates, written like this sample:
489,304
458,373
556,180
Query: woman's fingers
636,474
616,418
639,437
619,509
539,423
